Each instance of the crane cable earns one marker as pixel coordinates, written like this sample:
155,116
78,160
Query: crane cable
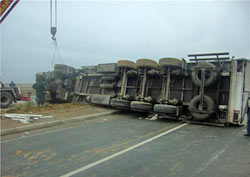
53,30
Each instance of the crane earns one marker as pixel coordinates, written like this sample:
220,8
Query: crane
6,8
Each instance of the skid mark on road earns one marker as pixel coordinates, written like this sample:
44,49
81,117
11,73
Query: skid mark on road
125,144
121,152
104,150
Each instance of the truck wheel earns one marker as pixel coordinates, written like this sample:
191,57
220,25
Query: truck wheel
107,86
120,103
164,108
141,106
59,68
208,108
170,62
146,63
6,99
211,75
126,64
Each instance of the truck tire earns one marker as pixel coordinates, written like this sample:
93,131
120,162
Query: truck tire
146,63
141,106
211,74
170,62
109,77
164,108
107,86
6,99
120,103
194,106
126,64
59,67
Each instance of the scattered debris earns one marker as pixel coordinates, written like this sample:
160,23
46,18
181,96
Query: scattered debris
103,120
140,118
155,117
46,117
25,118
26,133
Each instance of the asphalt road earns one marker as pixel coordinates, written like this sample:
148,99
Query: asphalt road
123,145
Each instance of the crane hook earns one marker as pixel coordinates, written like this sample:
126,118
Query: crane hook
53,32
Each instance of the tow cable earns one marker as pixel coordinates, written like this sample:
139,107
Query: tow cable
53,30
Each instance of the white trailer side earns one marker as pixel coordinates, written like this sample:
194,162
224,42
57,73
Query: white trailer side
239,91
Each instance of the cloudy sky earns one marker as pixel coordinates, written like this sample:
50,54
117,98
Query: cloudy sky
92,32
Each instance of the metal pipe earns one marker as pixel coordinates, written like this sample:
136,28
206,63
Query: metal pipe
144,81
167,85
124,78
203,72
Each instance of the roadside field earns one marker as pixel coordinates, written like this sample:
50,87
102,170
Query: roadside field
26,88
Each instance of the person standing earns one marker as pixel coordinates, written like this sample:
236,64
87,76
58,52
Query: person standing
52,87
1,84
40,91
16,90
247,111
12,84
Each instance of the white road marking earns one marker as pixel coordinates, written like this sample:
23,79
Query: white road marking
121,152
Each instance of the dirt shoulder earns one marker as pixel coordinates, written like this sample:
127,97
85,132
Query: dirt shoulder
58,111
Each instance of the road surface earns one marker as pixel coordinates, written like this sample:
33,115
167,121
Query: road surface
123,145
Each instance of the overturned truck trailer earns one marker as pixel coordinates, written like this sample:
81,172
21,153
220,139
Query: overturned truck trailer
64,78
210,88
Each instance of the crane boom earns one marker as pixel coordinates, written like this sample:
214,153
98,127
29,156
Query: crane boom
6,8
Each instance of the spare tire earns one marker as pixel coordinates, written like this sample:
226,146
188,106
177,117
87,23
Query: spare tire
6,99
146,63
170,62
120,103
208,108
211,74
141,106
126,64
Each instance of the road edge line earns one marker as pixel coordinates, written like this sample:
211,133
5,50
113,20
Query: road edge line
55,123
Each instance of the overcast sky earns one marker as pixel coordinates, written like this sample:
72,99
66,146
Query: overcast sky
103,32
